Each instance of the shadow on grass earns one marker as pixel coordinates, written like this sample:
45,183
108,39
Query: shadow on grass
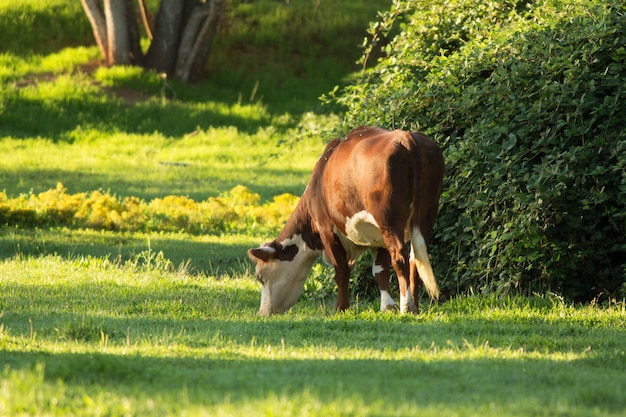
220,352
519,386
28,118
208,255
198,183
451,384
201,312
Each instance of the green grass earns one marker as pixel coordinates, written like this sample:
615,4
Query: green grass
29,26
115,129
128,132
110,323
200,164
90,337
205,254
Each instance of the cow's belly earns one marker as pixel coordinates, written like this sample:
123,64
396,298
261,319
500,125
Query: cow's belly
362,230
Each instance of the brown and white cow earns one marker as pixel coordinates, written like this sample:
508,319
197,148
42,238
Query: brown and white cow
376,189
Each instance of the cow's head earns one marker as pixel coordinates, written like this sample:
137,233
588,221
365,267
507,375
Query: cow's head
282,268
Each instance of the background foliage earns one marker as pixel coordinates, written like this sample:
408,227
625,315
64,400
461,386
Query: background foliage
22,25
527,100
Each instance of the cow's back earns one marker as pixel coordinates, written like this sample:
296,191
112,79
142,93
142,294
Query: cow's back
371,172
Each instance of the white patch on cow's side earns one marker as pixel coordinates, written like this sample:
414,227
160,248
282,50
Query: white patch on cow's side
363,230
353,250
386,301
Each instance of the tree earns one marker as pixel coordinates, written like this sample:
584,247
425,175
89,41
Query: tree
181,34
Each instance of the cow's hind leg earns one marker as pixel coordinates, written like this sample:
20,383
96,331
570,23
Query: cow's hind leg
381,263
399,254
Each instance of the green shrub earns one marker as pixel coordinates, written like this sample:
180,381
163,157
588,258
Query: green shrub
238,211
528,104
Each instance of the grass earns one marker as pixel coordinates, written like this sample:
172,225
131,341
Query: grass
22,25
199,164
129,132
204,254
92,131
110,323
91,337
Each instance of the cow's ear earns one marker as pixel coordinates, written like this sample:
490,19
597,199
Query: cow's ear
264,253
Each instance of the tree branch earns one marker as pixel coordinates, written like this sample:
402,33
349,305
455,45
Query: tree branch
98,24
134,37
144,17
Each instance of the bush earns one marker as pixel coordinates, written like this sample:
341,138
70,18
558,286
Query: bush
238,211
527,102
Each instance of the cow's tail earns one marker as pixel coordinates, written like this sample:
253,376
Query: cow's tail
428,178
421,264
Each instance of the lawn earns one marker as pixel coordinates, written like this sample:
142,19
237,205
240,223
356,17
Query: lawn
102,322
91,336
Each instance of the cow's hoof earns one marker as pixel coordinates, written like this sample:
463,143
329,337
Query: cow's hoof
410,310
390,307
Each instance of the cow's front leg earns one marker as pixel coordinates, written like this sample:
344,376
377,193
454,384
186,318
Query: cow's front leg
381,263
339,259
342,278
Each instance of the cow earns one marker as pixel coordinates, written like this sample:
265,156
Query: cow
375,189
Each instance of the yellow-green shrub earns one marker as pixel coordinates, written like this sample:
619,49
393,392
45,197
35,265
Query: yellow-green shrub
278,211
173,213
56,204
238,210
135,215
100,211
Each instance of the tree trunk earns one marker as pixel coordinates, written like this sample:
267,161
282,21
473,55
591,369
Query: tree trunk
118,47
164,47
195,45
95,14
181,37
134,38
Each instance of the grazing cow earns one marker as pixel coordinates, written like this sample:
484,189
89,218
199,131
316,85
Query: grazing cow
376,189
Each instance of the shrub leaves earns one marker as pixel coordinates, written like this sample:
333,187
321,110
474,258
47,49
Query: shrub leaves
527,101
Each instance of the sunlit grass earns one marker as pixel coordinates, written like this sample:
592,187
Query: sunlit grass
84,334
218,256
200,164
86,131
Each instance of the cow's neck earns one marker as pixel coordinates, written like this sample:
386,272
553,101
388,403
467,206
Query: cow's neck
300,225
302,220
